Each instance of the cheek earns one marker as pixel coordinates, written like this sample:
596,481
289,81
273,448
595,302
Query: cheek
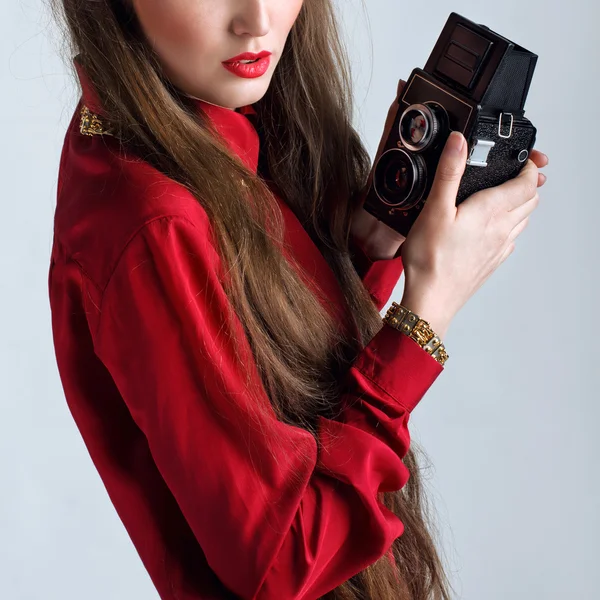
294,8
169,24
287,16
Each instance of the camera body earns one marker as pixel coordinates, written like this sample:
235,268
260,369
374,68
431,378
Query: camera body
475,82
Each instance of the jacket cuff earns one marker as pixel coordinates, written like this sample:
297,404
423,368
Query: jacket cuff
399,366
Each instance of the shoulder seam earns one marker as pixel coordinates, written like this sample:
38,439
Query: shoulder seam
134,235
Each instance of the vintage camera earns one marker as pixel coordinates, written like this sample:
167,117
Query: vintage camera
475,82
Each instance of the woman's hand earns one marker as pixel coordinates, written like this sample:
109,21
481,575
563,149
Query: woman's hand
450,251
378,240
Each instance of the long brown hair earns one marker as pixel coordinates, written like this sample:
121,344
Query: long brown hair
316,161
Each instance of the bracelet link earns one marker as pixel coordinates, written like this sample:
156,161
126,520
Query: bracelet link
422,332
417,329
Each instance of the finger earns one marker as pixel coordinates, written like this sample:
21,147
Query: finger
507,252
517,190
523,211
517,230
541,179
389,121
539,158
387,129
401,84
449,172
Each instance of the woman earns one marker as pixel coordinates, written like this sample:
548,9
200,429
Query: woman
216,291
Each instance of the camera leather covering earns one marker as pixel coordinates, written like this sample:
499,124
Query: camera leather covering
463,56
482,64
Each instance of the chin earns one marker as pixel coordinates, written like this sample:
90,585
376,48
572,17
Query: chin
242,100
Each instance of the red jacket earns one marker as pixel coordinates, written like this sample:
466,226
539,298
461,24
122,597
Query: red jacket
149,375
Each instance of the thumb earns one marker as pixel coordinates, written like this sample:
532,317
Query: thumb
449,172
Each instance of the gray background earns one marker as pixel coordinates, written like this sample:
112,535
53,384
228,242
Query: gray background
510,427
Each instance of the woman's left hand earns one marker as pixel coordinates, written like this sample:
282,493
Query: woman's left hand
377,240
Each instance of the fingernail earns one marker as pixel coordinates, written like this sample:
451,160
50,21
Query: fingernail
455,142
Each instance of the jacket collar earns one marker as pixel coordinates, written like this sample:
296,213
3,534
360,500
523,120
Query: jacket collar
236,127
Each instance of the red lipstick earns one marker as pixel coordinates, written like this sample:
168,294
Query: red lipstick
251,69
248,56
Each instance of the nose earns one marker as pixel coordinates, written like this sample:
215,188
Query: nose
252,18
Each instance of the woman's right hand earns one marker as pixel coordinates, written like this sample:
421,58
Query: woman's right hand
450,251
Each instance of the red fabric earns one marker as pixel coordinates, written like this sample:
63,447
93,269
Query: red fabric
152,382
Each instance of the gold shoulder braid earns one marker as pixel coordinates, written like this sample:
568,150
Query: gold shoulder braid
91,124
417,329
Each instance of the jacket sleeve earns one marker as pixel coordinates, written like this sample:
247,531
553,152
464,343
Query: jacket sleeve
379,277
274,520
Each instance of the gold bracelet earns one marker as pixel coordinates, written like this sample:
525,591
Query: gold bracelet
417,329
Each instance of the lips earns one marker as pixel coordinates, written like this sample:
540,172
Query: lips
248,56
249,70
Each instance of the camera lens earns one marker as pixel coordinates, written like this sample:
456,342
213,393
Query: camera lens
399,178
420,124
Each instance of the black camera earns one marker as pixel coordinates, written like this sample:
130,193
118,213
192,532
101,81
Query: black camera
475,82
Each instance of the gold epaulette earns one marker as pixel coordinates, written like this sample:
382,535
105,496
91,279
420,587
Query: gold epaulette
91,124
